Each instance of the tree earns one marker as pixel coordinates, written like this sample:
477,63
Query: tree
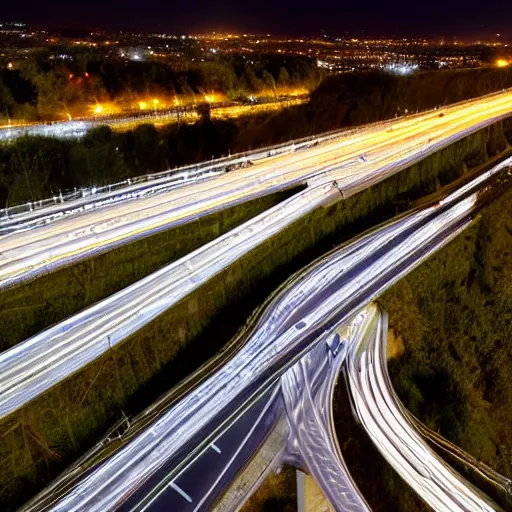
147,149
96,159
37,168
220,76
283,80
185,88
50,85
6,102
255,84
269,81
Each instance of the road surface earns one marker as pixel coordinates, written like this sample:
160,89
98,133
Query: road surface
32,367
355,162
388,426
303,312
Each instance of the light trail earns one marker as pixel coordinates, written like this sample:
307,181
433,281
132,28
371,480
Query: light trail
33,214
30,368
308,388
383,418
301,313
26,211
34,366
388,150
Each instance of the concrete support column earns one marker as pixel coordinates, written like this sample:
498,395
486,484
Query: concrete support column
309,496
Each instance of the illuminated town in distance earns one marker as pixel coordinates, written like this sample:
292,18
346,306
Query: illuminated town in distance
336,54
256,256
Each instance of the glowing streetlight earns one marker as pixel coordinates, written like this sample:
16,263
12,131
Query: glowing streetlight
502,63
143,105
98,109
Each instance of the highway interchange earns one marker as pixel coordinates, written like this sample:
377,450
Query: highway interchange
388,425
301,315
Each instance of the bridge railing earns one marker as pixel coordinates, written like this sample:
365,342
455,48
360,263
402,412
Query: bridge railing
218,164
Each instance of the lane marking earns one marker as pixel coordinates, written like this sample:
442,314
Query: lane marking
216,448
181,492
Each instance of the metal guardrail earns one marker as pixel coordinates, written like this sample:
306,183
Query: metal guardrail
300,313
217,164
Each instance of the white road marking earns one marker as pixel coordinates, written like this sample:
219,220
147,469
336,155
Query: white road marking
181,492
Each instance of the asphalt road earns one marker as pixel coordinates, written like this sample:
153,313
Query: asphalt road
301,313
386,422
355,162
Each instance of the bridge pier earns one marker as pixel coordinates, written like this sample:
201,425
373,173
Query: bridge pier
309,495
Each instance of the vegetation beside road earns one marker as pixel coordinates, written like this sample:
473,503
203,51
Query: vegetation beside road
41,439
40,88
277,493
454,315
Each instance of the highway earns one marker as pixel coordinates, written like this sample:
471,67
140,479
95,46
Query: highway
303,397
387,423
63,129
300,314
308,389
355,162
33,214
28,215
220,477
198,486
32,367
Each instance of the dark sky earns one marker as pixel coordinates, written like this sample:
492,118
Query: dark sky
301,17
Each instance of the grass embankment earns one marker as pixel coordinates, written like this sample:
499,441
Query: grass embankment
31,307
455,317
46,435
278,493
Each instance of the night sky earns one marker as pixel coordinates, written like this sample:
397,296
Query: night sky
474,18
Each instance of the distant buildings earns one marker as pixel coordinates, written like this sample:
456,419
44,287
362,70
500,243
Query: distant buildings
331,54
13,27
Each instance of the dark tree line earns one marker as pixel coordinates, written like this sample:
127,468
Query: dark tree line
44,89
32,168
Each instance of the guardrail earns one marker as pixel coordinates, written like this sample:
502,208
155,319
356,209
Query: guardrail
218,164
214,165
300,313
